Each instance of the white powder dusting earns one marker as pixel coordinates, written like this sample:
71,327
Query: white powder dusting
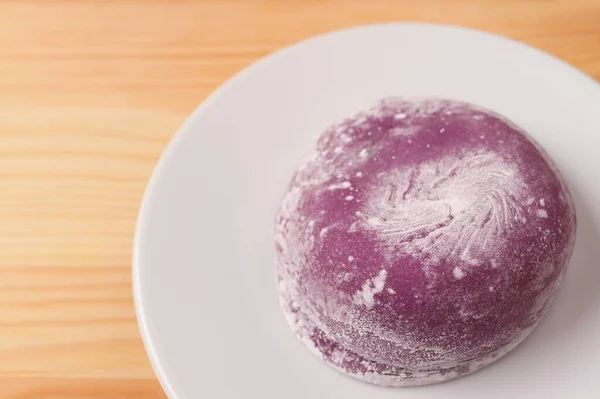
405,130
359,174
542,213
363,153
349,198
542,202
458,273
346,139
323,232
400,116
350,258
366,295
391,291
450,208
337,186
374,221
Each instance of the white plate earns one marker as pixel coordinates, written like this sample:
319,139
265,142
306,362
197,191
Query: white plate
204,264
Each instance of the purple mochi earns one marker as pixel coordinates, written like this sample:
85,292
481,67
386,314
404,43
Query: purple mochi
421,241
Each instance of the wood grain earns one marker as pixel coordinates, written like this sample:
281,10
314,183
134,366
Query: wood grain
90,93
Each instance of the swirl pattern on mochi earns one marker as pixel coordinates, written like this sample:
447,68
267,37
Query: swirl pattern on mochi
456,208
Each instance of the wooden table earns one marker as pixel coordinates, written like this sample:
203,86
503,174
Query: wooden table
90,93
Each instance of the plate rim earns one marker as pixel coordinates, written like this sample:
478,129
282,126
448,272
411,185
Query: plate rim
173,145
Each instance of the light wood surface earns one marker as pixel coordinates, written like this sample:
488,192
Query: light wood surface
90,94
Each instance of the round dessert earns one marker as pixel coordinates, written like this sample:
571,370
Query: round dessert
421,241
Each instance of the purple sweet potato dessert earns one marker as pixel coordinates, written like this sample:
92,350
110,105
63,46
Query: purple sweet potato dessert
421,241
